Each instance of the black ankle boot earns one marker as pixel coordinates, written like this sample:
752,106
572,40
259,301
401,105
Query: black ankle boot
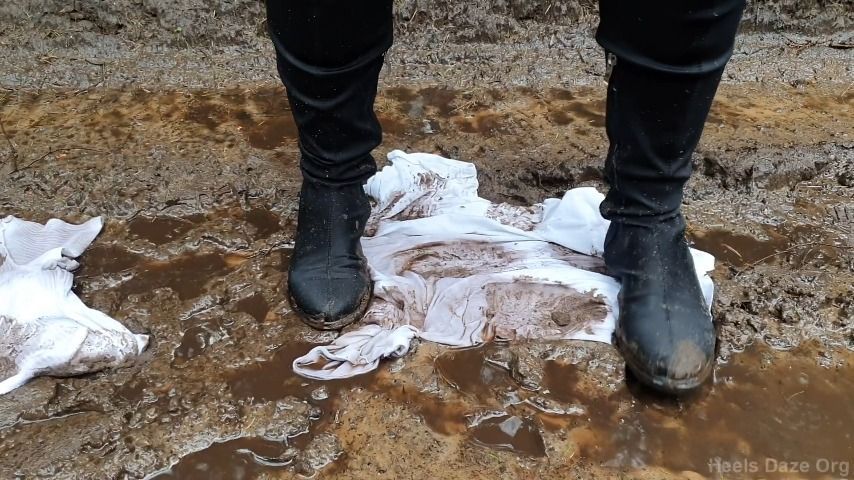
655,117
664,332
328,280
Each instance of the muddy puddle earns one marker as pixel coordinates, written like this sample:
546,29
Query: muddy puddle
249,457
241,458
796,245
766,410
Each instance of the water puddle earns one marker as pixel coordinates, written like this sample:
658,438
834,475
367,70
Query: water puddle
255,305
274,379
186,275
765,408
798,245
263,117
197,338
477,371
509,432
162,230
261,457
101,259
444,417
264,221
239,459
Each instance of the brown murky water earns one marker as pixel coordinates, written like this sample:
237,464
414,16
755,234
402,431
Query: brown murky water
256,456
798,245
241,458
509,432
763,408
162,230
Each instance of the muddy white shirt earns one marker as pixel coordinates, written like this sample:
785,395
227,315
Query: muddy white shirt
456,269
44,328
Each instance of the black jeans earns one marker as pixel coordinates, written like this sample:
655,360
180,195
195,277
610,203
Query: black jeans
670,56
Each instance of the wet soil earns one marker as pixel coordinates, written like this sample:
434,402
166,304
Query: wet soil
179,136
198,191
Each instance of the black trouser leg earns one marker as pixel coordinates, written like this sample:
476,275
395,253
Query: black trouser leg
329,55
670,55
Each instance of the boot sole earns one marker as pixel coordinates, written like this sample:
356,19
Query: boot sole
665,385
317,322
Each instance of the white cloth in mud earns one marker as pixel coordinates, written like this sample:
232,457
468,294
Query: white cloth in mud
456,269
44,328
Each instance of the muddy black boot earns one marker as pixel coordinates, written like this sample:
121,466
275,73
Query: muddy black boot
669,60
328,280
664,331
329,56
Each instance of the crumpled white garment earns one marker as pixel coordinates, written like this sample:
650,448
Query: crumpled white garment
44,328
456,269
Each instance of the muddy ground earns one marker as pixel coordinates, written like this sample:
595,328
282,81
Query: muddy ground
165,117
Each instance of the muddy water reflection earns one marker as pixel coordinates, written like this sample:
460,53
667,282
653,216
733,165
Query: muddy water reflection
186,275
162,230
506,432
238,459
274,379
798,245
475,371
764,405
256,457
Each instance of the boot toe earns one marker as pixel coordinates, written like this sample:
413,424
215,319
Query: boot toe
329,303
674,356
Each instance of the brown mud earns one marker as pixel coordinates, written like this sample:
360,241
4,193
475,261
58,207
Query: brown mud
167,121
198,235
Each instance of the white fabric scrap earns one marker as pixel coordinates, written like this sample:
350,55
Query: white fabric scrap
456,269
44,328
